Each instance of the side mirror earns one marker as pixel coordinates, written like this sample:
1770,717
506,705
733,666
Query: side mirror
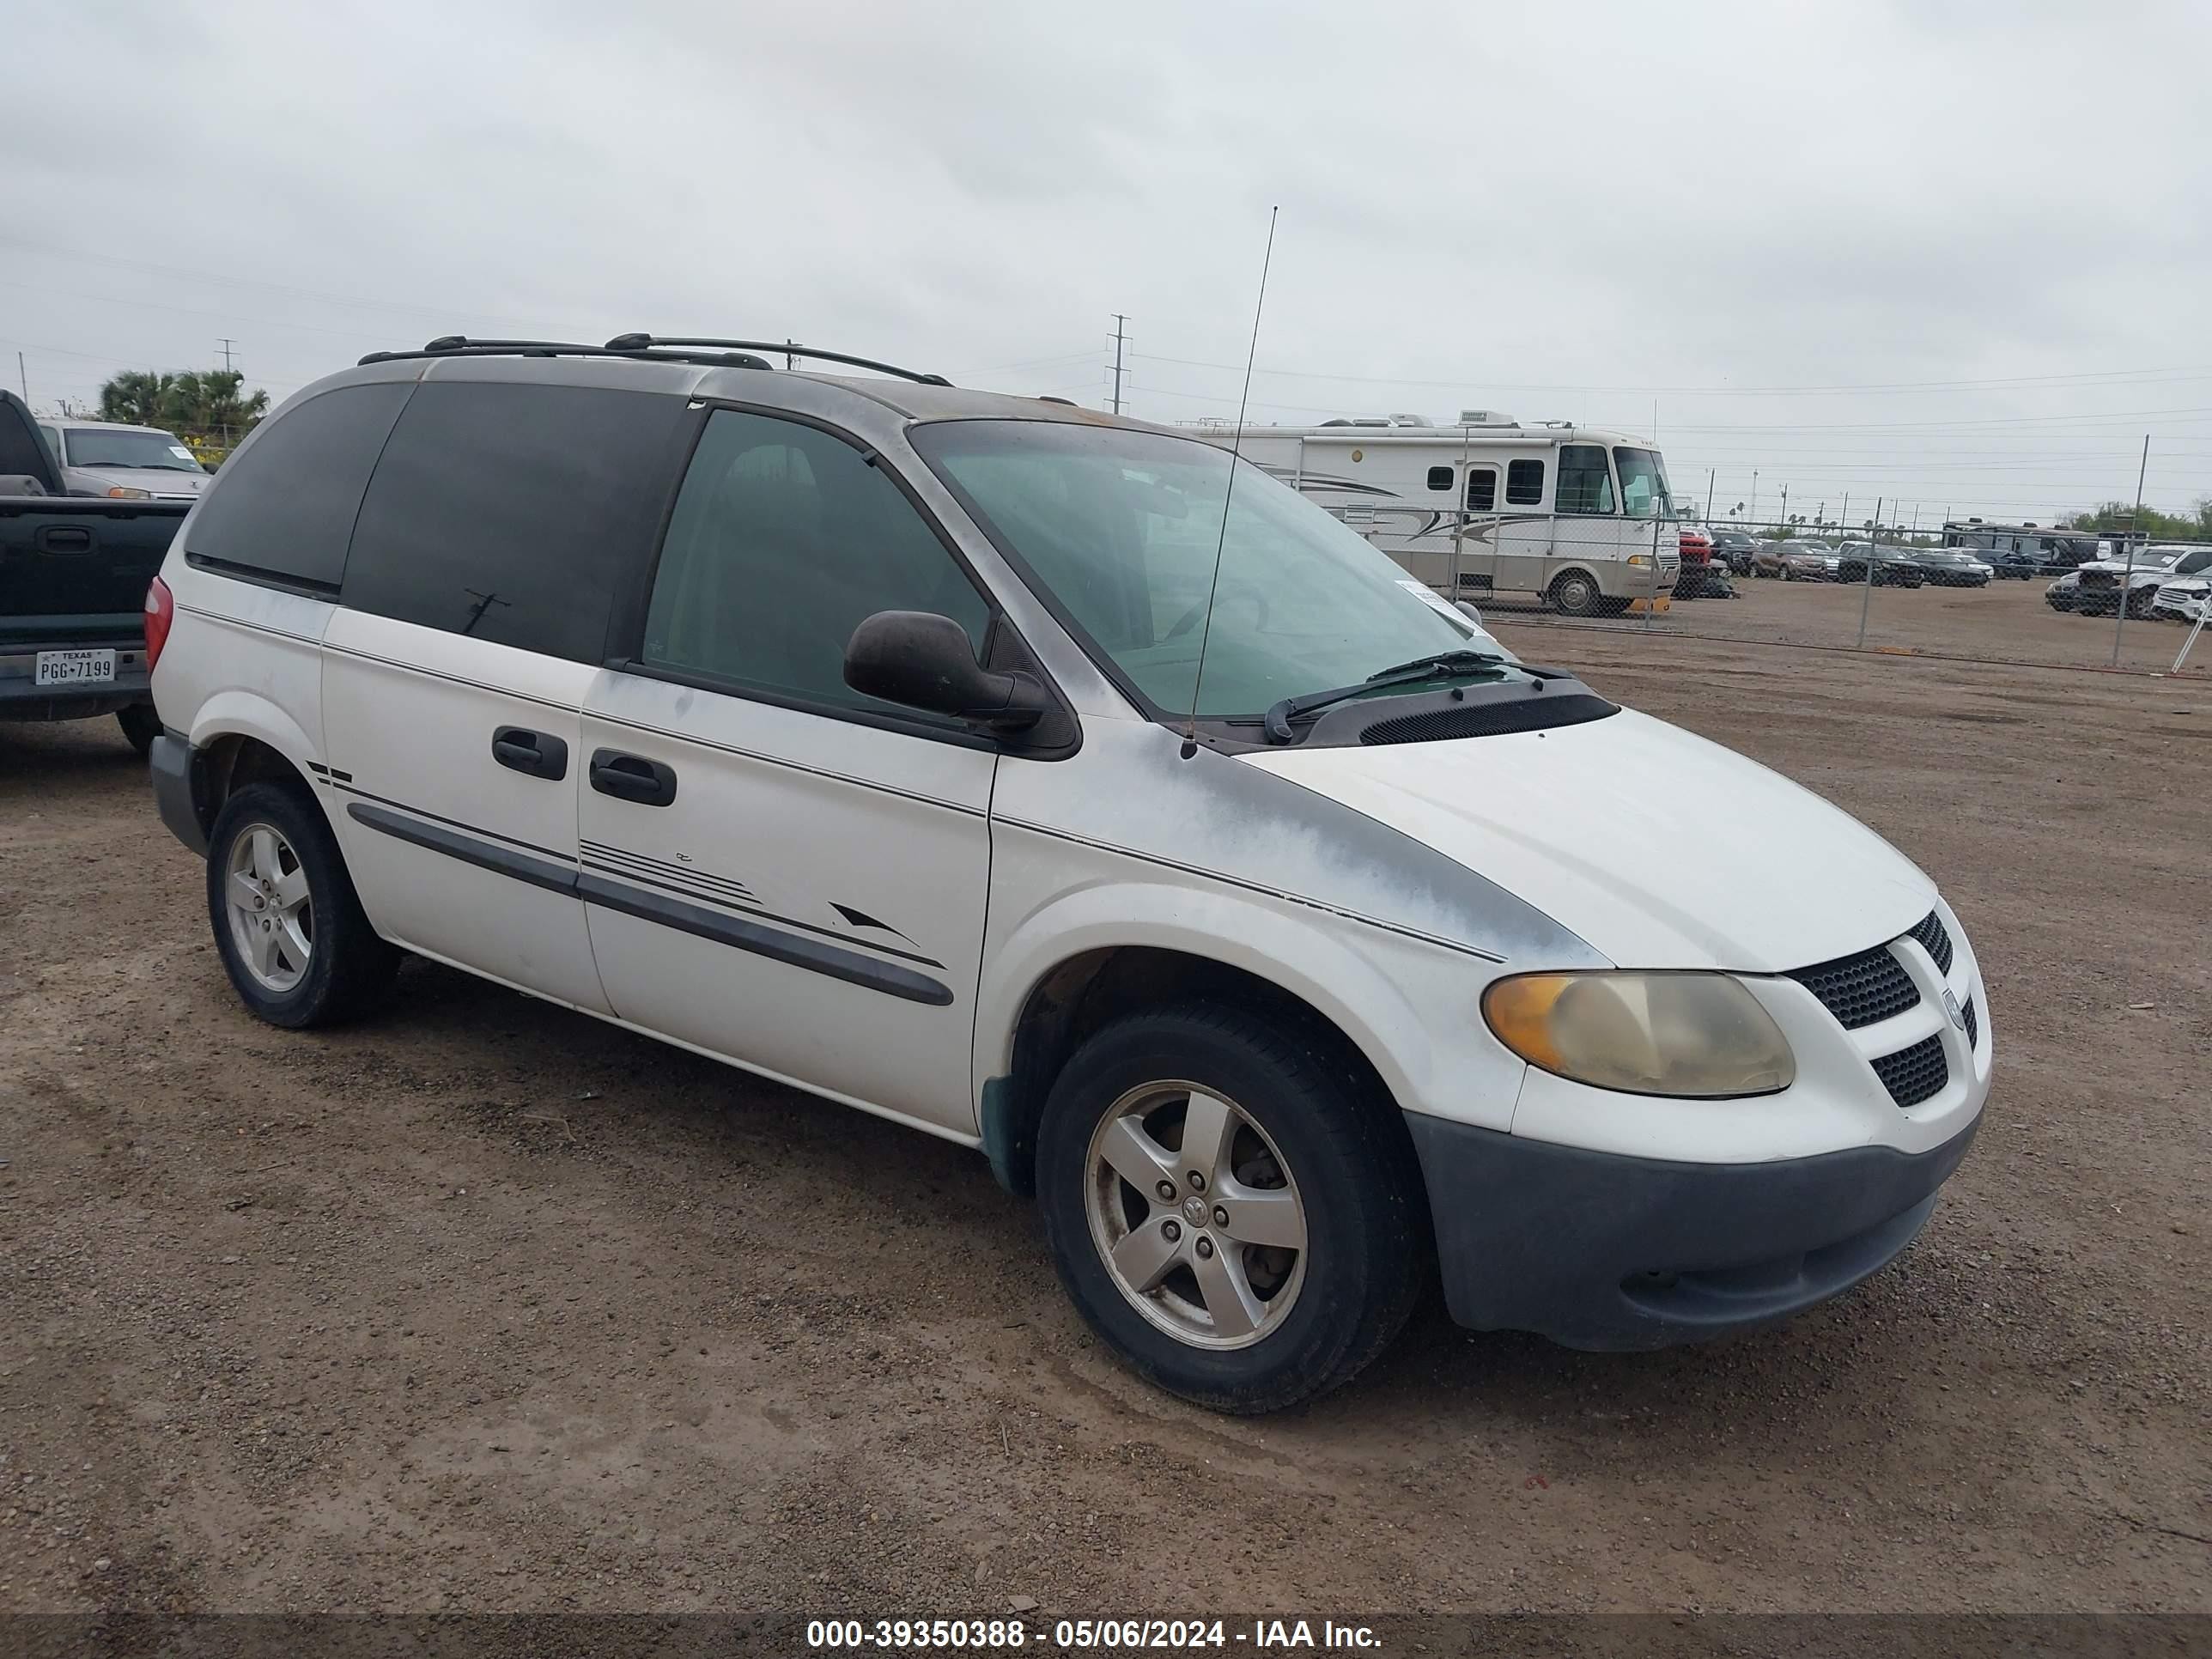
924,661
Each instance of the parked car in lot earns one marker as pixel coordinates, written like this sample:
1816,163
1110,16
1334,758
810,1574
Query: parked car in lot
2013,565
73,579
1736,547
1891,567
1701,576
124,463
2103,581
2181,599
853,732
1769,558
1809,561
2065,594
1949,567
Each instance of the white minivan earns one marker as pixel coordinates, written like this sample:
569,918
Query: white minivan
1057,785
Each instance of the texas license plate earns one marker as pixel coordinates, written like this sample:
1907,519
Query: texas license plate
74,667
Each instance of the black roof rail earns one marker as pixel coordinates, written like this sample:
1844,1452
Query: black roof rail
789,348
460,346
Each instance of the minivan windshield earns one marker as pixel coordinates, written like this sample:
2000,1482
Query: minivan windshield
1117,529
154,452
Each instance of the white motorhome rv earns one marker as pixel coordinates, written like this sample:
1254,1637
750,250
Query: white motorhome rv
1574,516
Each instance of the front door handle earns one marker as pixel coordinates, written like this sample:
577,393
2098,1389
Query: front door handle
537,754
633,778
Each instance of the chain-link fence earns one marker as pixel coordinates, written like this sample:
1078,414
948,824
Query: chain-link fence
2001,593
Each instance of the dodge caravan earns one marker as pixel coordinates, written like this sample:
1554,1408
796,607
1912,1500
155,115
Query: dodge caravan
1062,787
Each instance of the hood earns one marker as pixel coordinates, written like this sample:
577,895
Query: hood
1660,849
155,480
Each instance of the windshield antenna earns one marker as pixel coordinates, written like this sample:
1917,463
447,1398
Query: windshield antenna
1235,445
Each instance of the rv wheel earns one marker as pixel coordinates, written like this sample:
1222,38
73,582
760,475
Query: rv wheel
1575,594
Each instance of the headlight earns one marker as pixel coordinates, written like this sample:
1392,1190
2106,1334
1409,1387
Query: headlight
127,493
1639,558
1698,1036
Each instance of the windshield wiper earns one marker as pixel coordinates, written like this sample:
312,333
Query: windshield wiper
1445,663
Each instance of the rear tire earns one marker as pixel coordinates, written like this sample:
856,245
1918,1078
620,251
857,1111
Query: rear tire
141,726
305,955
1326,1246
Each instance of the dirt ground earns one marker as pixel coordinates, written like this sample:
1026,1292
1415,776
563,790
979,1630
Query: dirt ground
2006,621
487,1305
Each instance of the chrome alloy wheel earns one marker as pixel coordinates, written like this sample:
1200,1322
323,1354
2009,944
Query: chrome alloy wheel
1195,1215
273,917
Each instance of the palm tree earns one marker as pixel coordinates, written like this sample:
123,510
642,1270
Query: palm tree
210,402
136,397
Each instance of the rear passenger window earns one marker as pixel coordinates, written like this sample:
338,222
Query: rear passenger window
1585,482
1440,477
1524,483
1482,489
284,505
783,540
510,513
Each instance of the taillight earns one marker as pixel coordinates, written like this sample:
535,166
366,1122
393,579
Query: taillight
161,611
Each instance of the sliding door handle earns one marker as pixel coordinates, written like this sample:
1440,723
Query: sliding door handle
633,778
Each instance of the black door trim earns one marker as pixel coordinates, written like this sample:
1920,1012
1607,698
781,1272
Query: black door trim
539,872
815,955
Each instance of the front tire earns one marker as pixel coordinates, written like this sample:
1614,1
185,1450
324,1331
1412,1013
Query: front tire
1576,594
1229,1206
287,924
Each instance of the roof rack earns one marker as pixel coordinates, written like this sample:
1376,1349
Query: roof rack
460,346
789,348
649,348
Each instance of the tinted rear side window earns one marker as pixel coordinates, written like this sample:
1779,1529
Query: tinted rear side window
1524,483
511,513
285,506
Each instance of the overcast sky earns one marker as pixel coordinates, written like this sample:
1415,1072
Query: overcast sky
1949,253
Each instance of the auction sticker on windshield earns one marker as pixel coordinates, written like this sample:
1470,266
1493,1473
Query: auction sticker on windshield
1435,601
74,667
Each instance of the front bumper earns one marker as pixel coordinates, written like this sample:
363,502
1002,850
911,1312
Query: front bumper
1598,1250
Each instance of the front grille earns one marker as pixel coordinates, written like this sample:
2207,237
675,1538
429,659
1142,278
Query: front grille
1489,720
1932,933
1862,990
1973,1025
1912,1075
2099,578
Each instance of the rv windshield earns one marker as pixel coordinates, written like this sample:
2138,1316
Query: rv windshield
1644,492
1117,530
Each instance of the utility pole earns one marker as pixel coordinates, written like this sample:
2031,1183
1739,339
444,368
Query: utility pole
1708,494
1843,514
1785,506
227,343
24,376
1120,323
1754,496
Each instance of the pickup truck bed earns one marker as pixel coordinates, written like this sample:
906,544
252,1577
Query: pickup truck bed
74,571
